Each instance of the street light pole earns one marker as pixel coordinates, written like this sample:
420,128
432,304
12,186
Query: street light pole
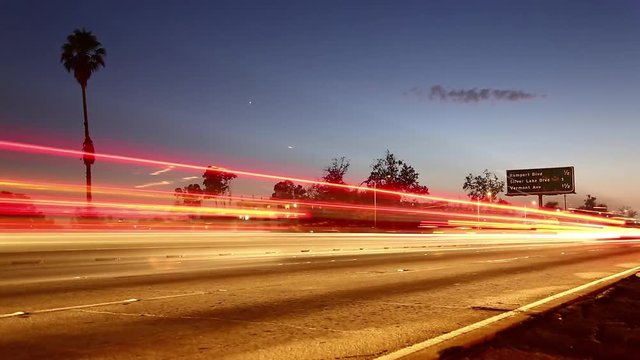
478,202
375,200
375,206
533,205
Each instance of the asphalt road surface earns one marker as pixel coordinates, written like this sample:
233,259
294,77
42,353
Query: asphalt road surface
274,296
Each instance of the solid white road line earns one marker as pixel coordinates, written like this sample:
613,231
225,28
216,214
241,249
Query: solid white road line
76,307
17,313
480,324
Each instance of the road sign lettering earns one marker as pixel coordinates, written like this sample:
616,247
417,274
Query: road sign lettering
545,181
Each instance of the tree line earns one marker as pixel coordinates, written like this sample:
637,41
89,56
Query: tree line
215,183
387,173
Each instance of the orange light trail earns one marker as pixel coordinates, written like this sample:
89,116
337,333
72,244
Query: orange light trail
24,147
507,220
513,226
154,208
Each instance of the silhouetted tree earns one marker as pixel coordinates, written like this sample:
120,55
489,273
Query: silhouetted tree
335,171
589,203
217,182
389,173
484,187
333,174
627,211
287,190
190,195
552,205
83,54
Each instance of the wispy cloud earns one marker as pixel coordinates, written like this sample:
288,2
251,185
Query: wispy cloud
162,171
474,95
153,184
190,177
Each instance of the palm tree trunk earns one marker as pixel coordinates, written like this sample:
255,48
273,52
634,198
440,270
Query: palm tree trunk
87,140
84,110
88,174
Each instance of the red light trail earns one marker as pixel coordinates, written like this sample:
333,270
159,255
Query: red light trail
505,220
31,148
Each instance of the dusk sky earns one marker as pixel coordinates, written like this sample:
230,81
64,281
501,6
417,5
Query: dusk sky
238,83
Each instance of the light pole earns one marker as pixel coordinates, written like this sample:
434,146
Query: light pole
533,203
375,206
478,222
375,200
478,204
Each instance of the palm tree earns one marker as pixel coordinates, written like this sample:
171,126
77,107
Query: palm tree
84,54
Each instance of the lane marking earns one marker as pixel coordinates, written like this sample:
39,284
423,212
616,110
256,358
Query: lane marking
177,295
591,275
217,319
247,257
480,324
17,313
504,260
79,307
27,262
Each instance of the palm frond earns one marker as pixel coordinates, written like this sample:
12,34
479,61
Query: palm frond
83,54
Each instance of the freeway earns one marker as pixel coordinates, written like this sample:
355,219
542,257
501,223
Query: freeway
273,296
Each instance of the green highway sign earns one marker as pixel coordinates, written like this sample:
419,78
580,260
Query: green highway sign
546,181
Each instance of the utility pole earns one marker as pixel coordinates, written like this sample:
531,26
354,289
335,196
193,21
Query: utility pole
375,206
478,202
540,201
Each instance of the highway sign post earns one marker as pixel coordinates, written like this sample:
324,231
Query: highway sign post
543,181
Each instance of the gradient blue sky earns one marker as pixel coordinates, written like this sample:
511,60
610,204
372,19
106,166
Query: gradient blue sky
237,82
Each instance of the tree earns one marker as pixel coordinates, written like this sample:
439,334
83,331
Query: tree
216,181
287,190
333,174
389,173
589,203
83,54
552,205
484,187
190,195
627,211
335,171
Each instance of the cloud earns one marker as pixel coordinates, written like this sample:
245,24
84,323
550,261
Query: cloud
153,184
439,93
162,171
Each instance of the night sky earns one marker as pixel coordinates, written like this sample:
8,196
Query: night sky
238,83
